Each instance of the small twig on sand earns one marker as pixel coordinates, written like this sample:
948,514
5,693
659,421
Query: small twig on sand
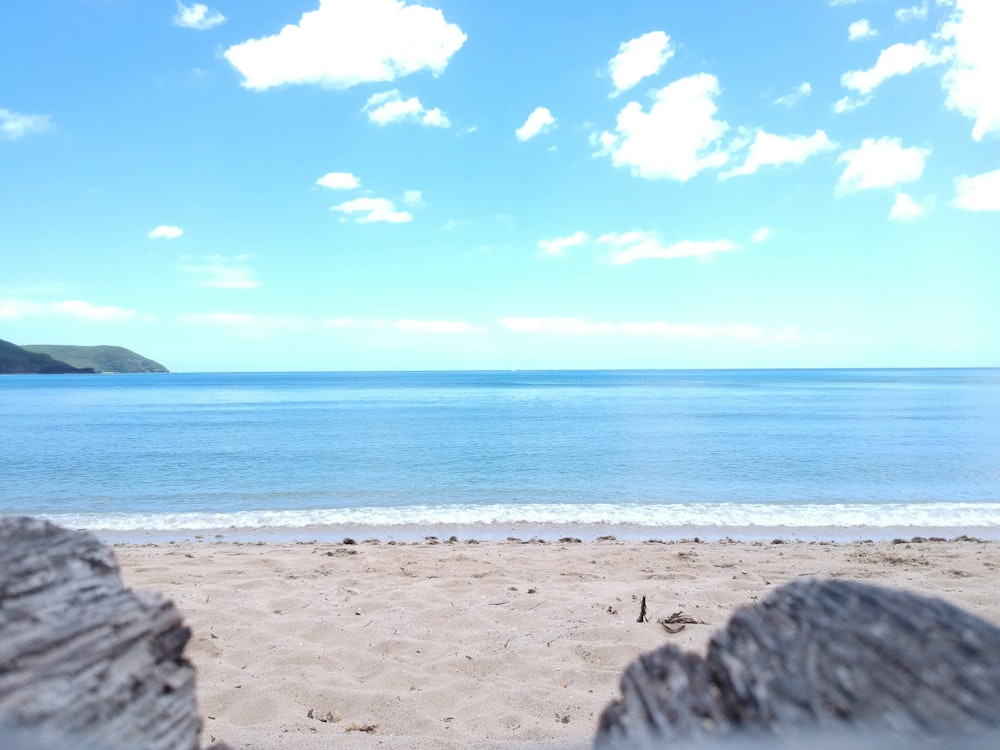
642,610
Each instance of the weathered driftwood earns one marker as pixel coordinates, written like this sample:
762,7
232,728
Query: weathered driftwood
83,657
819,659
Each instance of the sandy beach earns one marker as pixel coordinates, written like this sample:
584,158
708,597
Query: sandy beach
490,644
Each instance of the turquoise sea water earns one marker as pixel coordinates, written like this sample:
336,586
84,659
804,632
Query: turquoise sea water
665,449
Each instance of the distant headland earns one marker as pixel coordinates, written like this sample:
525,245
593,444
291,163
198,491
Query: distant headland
44,359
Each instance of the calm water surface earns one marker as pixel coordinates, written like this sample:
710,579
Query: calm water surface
659,448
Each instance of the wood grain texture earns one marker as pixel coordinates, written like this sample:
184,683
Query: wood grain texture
818,656
83,657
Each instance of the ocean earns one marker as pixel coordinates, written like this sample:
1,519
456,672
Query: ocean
634,453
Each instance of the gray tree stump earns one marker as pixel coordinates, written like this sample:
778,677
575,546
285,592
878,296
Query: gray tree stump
83,657
820,657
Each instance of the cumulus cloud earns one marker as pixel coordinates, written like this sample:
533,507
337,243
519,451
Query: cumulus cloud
676,139
629,247
639,58
761,235
166,232
897,60
220,272
860,29
846,104
86,310
413,198
14,125
654,328
389,106
979,193
371,210
768,149
339,181
798,94
881,163
197,16
559,245
347,42
905,209
974,66
540,120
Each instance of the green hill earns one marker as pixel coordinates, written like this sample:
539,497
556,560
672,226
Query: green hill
100,358
17,360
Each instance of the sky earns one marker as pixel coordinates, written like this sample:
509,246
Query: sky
503,184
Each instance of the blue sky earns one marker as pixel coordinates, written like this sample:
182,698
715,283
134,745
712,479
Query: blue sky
480,184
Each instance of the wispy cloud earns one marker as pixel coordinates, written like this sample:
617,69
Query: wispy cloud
800,92
17,309
220,272
14,125
653,329
629,247
371,210
559,245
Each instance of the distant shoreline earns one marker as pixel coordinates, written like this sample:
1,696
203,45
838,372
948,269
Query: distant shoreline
542,533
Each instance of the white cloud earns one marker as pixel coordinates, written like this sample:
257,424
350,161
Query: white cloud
905,209
761,235
860,29
371,210
897,60
676,139
14,125
197,16
219,272
166,232
339,181
774,150
653,329
801,92
433,326
540,120
846,104
979,193
882,163
629,247
971,80
912,13
389,106
559,245
639,58
86,310
15,309
347,42
413,198
836,3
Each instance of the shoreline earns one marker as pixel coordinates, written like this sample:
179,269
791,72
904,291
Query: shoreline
546,532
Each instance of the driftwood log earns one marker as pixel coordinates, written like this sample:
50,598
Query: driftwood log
82,657
838,662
